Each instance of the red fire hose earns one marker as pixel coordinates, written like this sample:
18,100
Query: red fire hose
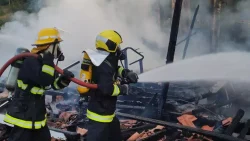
20,56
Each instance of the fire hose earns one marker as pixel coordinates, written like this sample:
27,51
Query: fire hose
59,70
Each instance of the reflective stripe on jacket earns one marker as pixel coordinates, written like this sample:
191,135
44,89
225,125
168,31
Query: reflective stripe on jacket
99,118
23,123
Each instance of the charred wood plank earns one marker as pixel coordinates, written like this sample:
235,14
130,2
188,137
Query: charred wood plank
122,106
184,128
236,120
140,128
63,131
214,106
244,130
175,136
197,98
156,136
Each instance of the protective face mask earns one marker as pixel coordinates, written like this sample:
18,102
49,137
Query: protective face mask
55,50
60,55
52,50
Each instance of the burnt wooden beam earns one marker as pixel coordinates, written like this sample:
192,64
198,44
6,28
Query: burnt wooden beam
215,135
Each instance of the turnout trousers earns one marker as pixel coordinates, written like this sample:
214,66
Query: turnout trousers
22,134
99,131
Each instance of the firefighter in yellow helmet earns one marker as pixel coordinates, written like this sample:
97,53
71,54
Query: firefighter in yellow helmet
101,67
27,110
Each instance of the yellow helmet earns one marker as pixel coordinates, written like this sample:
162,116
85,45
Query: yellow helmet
47,36
108,40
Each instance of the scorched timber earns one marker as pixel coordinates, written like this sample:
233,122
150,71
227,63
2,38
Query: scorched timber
184,128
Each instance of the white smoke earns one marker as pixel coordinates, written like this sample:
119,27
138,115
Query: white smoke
137,22
82,20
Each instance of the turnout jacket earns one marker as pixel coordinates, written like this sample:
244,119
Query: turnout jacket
27,108
102,103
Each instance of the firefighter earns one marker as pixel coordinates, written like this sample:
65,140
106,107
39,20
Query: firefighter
27,110
101,67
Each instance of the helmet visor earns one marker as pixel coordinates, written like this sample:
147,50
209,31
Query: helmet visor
112,46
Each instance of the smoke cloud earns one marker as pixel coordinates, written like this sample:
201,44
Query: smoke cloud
137,21
81,21
232,26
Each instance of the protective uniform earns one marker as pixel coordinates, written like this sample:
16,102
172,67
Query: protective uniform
27,110
103,124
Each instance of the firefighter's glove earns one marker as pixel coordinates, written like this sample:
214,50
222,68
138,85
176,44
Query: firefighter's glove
65,77
47,58
123,89
131,77
125,72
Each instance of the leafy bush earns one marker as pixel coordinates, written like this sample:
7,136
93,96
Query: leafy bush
1,12
2,22
6,9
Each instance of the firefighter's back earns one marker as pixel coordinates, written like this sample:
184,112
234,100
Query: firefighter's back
100,102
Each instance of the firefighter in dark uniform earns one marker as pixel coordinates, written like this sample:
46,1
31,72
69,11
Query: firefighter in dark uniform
103,125
27,110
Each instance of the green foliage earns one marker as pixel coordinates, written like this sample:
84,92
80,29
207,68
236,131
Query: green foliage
7,8
1,12
4,2
14,5
2,21
17,5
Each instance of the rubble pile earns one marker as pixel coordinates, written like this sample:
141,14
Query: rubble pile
4,132
146,133
132,130
68,118
64,118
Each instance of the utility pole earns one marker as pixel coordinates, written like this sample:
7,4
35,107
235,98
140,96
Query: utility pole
170,53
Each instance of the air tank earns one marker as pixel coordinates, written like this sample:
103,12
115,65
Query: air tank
12,76
85,74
